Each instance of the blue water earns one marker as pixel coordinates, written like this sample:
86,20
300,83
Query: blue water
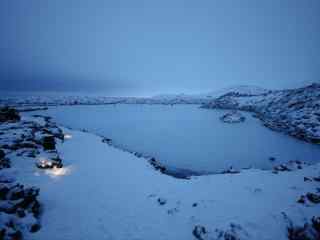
186,136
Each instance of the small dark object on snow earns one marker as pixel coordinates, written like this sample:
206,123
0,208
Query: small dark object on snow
302,199
199,232
314,198
162,201
306,179
106,140
194,204
272,159
317,179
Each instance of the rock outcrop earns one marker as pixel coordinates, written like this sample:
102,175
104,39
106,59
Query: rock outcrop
233,117
19,205
9,115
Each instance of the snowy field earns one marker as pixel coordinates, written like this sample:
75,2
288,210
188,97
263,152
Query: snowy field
104,193
186,136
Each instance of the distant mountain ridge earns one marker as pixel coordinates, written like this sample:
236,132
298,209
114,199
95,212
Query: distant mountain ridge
168,99
241,89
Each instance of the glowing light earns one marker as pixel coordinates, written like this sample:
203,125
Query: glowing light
67,136
58,172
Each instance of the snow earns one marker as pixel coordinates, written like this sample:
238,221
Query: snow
106,193
294,111
102,192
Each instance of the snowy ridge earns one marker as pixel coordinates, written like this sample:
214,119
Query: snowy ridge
294,111
241,90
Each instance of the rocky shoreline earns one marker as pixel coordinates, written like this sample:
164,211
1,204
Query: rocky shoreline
20,209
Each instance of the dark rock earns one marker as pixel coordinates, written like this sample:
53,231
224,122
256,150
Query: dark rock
5,163
16,192
314,198
309,231
48,142
36,208
199,232
32,109
15,235
9,115
162,201
302,199
272,159
3,192
26,145
106,140
317,179
2,233
306,179
35,227
157,165
2,154
21,213
316,223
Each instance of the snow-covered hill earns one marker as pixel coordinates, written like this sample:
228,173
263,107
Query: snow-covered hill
241,90
293,111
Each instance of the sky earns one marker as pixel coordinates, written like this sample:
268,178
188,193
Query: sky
126,47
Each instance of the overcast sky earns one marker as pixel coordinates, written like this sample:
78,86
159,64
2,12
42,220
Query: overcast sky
143,47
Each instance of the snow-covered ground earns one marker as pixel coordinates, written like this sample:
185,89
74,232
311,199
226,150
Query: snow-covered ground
101,192
294,111
104,193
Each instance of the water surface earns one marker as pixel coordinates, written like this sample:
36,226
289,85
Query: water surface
186,136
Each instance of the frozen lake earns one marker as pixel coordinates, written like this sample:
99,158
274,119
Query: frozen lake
187,137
